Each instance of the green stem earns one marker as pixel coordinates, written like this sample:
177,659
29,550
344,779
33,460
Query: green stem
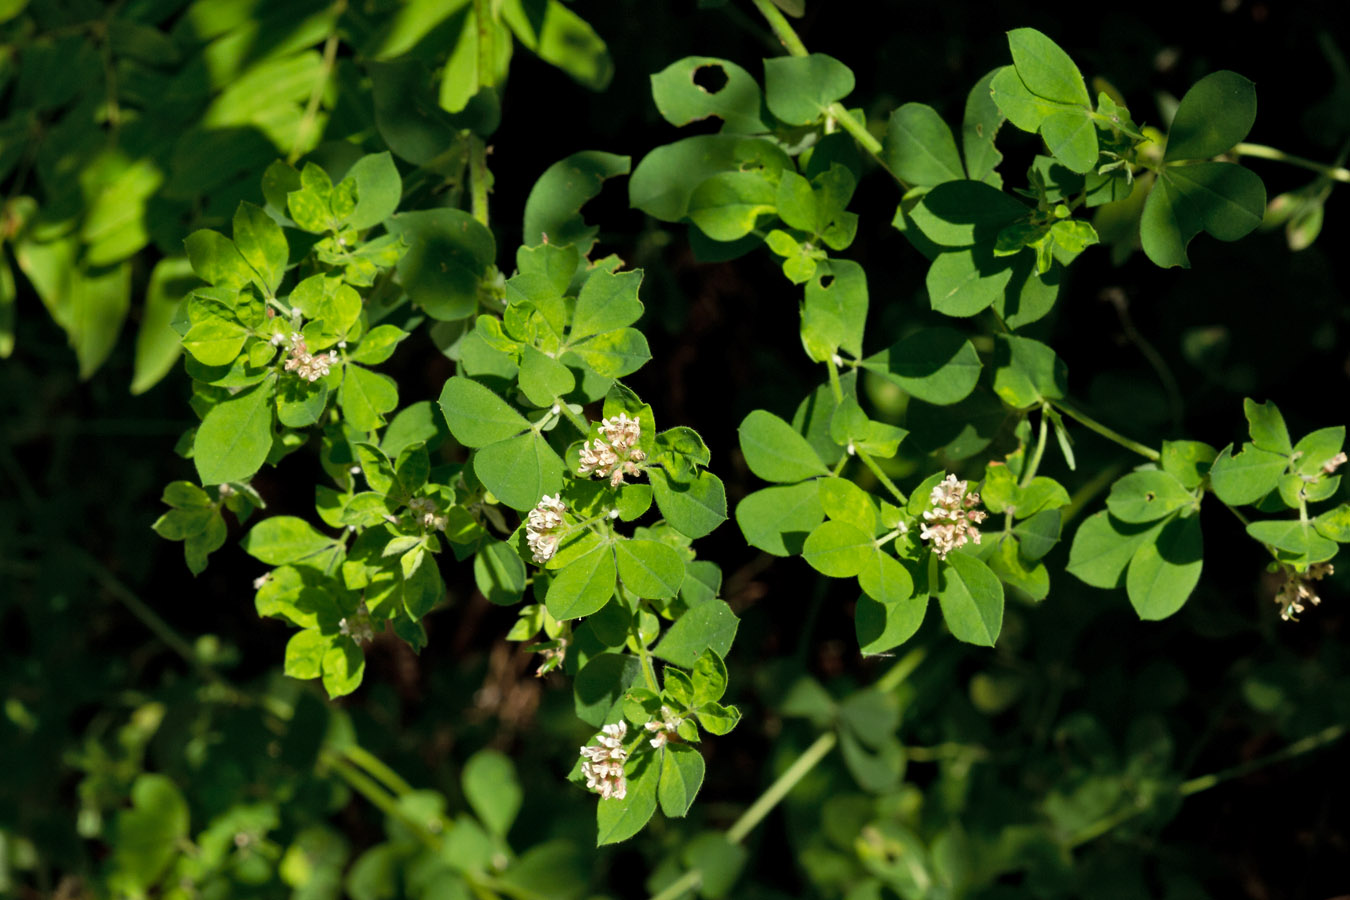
836,388
635,631
1261,151
367,787
780,788
487,43
578,421
858,130
1093,425
880,475
1030,472
479,178
330,48
901,670
375,766
141,610
1327,735
680,886
948,750
782,29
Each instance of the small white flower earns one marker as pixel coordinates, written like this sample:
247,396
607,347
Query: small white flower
603,768
616,454
954,511
261,580
543,527
665,728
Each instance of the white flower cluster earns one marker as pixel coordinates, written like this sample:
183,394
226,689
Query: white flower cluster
615,455
1295,591
603,767
665,729
543,527
307,366
425,510
952,520
359,627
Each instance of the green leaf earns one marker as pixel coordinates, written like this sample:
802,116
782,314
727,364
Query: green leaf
1188,461
157,344
1038,534
561,38
1027,372
727,205
1045,69
344,665
979,128
280,540
963,283
607,301
919,147
1071,136
709,626
477,416
617,820
601,684
838,549
583,586
304,654
215,341
798,89
1302,539
971,597
147,836
681,100
663,181
216,260
1248,476
1223,199
1335,524
962,213
718,719
448,252
234,439
937,365
1147,496
520,470
1104,546
379,188
1216,113
835,309
553,209
650,569
682,770
499,573
694,507
709,679
1164,571
1267,427
778,519
365,397
884,626
886,580
492,789
542,378
262,244
614,354
775,451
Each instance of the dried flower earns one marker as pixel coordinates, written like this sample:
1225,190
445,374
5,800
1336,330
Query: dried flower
308,366
359,626
1334,463
261,580
425,510
543,527
1296,590
665,729
603,767
616,454
953,517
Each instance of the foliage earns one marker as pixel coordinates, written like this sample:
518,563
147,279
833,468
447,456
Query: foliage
302,195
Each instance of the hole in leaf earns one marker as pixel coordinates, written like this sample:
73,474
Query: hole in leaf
710,79
1150,496
826,281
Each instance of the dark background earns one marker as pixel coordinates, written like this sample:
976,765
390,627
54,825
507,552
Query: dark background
81,464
